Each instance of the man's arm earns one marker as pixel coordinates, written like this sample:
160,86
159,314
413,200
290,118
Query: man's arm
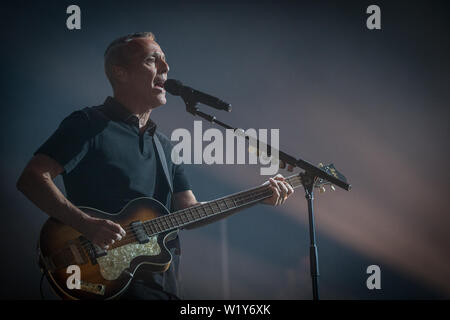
281,190
36,183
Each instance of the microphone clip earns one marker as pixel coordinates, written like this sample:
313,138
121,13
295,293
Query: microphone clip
191,107
191,104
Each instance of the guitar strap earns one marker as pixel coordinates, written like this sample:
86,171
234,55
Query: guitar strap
163,161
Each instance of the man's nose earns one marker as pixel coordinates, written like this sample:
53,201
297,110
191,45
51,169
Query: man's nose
163,67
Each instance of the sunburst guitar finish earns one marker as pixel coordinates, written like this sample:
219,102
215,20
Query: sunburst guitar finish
105,274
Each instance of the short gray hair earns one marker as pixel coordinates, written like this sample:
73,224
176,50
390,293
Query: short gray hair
117,54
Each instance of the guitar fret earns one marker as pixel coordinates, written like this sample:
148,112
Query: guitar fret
152,228
171,221
161,225
241,200
194,214
167,221
155,225
187,216
258,196
147,229
174,221
210,206
217,205
222,205
238,200
199,212
203,212
191,213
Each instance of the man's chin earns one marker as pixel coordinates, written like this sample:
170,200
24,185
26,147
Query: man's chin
158,103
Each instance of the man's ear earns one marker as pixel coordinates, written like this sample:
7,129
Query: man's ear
120,73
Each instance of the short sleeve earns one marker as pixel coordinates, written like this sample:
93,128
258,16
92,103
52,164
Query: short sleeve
69,144
180,181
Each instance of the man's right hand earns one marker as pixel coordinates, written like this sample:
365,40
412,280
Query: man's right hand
36,183
102,232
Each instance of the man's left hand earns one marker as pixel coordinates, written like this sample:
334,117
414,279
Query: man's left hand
281,190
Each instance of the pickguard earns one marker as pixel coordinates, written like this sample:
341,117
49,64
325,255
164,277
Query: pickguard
119,259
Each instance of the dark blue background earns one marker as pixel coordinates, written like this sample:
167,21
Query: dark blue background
373,102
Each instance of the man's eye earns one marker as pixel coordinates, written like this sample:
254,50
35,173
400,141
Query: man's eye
150,60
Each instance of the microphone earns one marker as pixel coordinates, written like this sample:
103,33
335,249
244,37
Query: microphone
177,88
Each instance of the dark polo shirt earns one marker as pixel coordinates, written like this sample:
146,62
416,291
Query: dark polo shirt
108,162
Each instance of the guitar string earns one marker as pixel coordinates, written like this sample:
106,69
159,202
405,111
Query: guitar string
165,220
245,194
86,244
159,221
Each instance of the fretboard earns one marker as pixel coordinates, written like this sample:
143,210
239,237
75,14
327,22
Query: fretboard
209,209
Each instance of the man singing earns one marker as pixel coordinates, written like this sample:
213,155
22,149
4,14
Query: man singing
108,156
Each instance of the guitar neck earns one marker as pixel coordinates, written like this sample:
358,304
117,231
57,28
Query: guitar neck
216,207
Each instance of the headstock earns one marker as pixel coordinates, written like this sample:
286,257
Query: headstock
319,183
331,170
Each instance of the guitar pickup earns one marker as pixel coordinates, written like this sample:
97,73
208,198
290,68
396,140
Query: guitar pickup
93,251
99,252
139,232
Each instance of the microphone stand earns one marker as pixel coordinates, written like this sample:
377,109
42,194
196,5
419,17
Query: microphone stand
309,177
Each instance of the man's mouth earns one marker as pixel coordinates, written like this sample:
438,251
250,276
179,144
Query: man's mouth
159,83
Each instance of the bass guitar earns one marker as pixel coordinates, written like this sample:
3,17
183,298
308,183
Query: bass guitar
105,274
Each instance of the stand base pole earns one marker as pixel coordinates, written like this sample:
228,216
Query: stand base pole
314,265
308,184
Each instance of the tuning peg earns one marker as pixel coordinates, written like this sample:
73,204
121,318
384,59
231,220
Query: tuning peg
322,189
333,188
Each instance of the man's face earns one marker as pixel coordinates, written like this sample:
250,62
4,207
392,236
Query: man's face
147,72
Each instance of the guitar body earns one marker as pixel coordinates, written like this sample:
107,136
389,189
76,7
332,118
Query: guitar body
104,274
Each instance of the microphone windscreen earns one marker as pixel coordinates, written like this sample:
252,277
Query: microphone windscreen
173,86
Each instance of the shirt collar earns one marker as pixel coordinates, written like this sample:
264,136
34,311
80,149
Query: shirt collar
118,112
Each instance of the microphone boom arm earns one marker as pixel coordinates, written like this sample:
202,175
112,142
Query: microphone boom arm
312,170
